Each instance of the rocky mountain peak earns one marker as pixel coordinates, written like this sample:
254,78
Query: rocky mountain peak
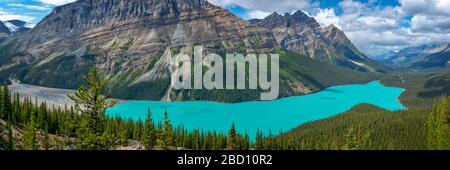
3,28
303,34
331,27
128,38
12,27
298,19
336,36
427,56
18,23
86,14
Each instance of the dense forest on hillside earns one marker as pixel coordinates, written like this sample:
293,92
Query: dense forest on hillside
31,126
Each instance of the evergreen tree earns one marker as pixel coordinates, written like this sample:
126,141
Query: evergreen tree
351,142
46,138
123,135
137,130
29,138
438,126
68,127
10,145
42,116
168,133
214,141
160,141
267,142
107,139
246,142
232,139
6,106
149,132
291,144
334,145
86,138
90,102
259,140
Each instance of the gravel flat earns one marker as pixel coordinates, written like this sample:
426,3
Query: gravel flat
52,96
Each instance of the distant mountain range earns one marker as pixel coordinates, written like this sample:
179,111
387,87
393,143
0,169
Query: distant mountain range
12,27
130,40
429,56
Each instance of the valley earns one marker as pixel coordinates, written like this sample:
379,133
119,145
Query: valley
276,116
96,75
53,96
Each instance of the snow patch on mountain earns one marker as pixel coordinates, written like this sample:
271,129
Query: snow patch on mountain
11,27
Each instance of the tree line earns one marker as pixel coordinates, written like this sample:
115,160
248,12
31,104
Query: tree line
85,126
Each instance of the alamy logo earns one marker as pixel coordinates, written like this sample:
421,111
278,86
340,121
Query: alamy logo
208,72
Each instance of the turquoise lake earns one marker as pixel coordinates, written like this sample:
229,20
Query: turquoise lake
282,114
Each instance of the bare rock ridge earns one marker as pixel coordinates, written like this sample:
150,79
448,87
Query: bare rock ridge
130,41
11,28
124,34
303,34
428,56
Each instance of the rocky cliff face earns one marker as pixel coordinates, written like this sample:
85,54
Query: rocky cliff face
427,56
130,42
11,28
128,34
127,40
303,34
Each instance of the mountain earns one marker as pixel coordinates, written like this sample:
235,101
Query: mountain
12,27
426,56
130,41
303,34
384,56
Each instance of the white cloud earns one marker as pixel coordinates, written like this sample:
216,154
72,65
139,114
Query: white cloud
258,14
6,17
428,7
56,2
327,17
372,30
268,5
262,8
32,7
2,12
375,30
428,15
352,7
430,23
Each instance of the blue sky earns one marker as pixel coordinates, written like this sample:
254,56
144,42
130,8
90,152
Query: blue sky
374,26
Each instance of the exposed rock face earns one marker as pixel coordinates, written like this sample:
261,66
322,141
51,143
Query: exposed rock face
4,29
11,28
126,34
303,34
131,41
421,57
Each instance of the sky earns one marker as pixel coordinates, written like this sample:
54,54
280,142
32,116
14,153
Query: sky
374,26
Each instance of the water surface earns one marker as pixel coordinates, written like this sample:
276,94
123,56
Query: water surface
282,114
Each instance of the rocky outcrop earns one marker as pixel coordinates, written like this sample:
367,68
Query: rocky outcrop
130,41
303,34
428,56
11,28
126,34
